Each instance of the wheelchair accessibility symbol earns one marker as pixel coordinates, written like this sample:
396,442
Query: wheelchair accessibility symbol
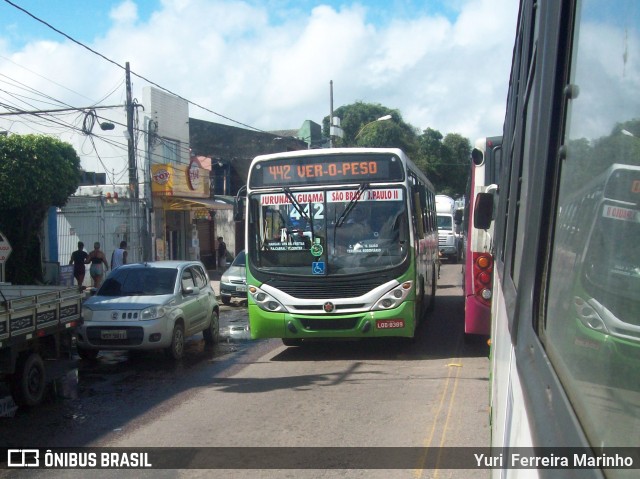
318,267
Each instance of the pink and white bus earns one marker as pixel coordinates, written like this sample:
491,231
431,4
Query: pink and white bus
478,257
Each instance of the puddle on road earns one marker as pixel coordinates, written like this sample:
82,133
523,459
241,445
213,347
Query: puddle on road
123,373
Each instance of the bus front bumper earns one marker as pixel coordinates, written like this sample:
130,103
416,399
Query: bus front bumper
396,322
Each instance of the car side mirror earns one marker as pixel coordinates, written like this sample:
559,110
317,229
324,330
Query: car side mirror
191,290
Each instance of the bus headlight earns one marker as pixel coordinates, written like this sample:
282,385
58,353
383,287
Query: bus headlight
588,316
265,301
394,297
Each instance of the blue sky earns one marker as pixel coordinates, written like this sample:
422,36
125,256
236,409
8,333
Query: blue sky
266,64
84,20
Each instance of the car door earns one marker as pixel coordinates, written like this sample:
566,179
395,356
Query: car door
206,296
190,303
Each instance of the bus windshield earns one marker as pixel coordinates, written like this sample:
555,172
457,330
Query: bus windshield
614,256
329,232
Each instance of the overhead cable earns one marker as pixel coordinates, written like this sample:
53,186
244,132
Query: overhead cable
124,68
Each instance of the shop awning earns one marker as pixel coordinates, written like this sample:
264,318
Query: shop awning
181,204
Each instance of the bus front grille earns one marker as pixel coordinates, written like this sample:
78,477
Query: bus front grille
329,324
326,290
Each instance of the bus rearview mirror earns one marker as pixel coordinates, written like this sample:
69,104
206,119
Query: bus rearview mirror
483,211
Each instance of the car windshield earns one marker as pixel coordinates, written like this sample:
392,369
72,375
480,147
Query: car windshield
143,281
239,260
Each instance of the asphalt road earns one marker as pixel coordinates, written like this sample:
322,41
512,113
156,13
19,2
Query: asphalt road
245,395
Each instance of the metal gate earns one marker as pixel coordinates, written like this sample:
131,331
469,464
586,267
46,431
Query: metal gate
90,219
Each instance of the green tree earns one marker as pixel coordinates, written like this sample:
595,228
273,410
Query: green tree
457,166
586,159
36,173
445,160
358,122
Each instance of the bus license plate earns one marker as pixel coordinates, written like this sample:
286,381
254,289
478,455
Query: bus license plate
113,334
390,323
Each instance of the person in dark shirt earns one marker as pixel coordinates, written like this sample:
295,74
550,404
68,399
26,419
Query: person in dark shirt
221,254
78,259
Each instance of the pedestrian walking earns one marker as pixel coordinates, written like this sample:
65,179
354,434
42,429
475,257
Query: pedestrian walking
119,256
221,253
98,264
78,259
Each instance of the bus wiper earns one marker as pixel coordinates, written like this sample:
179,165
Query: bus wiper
299,208
295,203
352,204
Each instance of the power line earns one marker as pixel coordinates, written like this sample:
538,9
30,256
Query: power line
56,110
49,80
124,68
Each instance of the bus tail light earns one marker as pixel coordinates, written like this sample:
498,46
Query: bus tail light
483,277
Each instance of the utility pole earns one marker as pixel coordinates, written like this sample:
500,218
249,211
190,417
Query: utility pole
133,169
331,114
334,123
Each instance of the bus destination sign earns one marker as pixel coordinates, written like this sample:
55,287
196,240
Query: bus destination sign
331,169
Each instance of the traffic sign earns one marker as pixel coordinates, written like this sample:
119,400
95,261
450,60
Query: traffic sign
5,248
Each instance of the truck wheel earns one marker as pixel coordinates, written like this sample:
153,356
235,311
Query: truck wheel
176,349
226,299
28,383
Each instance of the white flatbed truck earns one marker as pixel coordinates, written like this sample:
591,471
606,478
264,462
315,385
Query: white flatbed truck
36,325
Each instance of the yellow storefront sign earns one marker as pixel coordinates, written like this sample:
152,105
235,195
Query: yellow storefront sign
186,181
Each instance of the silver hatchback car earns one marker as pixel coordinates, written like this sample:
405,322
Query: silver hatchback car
150,306
233,283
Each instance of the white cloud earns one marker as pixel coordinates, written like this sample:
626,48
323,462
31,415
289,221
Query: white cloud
125,13
271,69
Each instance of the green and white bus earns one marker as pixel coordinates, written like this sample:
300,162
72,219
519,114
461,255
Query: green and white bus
340,243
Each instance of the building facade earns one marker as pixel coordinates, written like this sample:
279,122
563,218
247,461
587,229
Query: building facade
194,168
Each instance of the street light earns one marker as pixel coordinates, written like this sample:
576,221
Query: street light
382,118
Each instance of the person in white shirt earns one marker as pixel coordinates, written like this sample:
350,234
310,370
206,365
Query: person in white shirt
119,256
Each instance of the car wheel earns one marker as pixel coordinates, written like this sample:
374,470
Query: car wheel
28,384
88,354
226,299
212,333
176,349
